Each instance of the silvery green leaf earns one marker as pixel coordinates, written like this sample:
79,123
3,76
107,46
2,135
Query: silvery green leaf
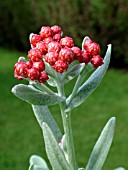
85,38
120,168
51,81
34,96
53,150
51,72
69,68
22,59
90,85
63,146
73,72
72,65
64,143
36,167
30,36
102,146
49,69
81,169
38,162
75,62
43,114
61,33
31,167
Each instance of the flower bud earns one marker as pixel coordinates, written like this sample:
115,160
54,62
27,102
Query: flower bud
45,32
93,48
35,55
42,47
84,58
51,57
40,66
43,77
21,69
35,38
33,73
66,54
77,52
54,46
67,42
60,66
56,29
97,61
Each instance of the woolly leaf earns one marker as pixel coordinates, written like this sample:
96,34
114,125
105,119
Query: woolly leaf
53,150
85,38
120,168
90,85
31,167
37,163
102,146
51,81
43,114
73,72
34,96
49,69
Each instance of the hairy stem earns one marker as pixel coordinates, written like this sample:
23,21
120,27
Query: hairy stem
79,81
44,88
67,130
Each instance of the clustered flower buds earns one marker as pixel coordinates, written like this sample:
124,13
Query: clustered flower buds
49,46
93,52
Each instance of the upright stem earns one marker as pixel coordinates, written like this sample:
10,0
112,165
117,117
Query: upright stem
44,88
67,130
79,81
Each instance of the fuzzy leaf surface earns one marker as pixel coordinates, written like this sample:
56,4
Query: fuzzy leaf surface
53,150
102,146
91,84
85,38
34,96
43,114
49,69
51,81
120,168
31,167
36,167
37,163
73,72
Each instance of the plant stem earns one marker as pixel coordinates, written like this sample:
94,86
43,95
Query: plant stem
67,130
44,88
78,83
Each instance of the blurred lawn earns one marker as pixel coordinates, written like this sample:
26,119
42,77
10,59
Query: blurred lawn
20,135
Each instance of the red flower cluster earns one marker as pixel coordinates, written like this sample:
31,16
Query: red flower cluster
92,53
49,46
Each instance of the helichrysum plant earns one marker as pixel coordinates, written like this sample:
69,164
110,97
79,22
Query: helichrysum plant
54,60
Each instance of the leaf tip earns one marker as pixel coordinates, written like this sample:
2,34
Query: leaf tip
13,90
112,120
109,47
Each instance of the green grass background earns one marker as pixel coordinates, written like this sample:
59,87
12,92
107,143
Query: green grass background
20,135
